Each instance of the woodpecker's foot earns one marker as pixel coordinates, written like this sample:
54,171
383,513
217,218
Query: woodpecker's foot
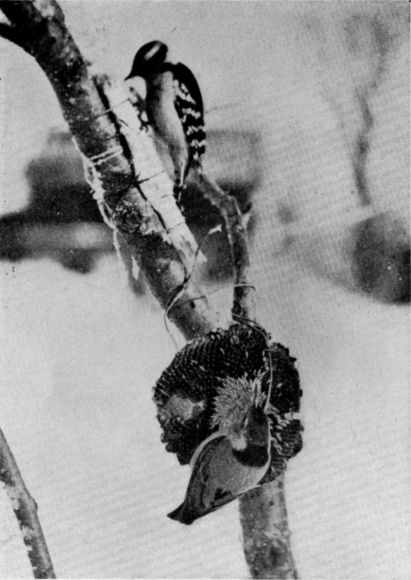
178,192
142,117
139,107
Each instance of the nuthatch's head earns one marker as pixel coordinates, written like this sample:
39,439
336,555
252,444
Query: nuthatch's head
228,463
257,426
148,59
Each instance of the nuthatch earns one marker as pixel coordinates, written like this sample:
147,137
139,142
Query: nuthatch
232,460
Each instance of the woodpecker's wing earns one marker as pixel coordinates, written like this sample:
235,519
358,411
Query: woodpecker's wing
192,91
190,109
203,495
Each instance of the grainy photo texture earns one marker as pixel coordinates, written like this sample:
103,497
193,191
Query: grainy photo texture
204,289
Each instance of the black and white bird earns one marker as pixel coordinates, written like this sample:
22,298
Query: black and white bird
227,464
174,107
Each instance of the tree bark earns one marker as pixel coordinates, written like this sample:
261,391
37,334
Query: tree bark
264,520
135,197
25,509
123,167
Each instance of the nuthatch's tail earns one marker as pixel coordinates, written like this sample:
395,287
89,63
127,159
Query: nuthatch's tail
183,515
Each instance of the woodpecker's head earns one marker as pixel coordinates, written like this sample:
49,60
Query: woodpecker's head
148,59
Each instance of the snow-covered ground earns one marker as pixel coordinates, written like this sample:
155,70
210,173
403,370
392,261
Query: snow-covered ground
79,354
78,362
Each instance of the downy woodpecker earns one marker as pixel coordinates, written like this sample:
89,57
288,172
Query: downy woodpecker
174,107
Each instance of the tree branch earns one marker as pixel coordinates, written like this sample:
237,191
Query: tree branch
125,183
25,509
243,297
266,534
263,512
135,196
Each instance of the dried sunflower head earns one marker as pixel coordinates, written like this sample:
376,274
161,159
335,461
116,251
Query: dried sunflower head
233,400
213,380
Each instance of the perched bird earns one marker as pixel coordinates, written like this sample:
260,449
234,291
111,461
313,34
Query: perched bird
174,107
227,464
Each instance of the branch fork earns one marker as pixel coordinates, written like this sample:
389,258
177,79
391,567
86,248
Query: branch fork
135,196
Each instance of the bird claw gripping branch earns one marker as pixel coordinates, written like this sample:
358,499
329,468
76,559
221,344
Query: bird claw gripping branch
202,395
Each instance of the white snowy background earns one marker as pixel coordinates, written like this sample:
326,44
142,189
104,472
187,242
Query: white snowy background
79,354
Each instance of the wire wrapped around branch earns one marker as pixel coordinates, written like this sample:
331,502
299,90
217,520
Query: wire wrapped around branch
90,111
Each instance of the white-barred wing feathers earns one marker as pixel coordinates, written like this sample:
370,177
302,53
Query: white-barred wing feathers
189,106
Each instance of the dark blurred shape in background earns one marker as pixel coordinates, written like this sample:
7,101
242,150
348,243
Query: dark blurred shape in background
62,220
381,258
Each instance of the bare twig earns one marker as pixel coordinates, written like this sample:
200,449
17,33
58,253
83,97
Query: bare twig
126,184
263,512
243,298
25,509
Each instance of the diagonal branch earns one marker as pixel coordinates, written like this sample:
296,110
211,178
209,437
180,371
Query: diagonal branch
126,183
118,178
25,509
